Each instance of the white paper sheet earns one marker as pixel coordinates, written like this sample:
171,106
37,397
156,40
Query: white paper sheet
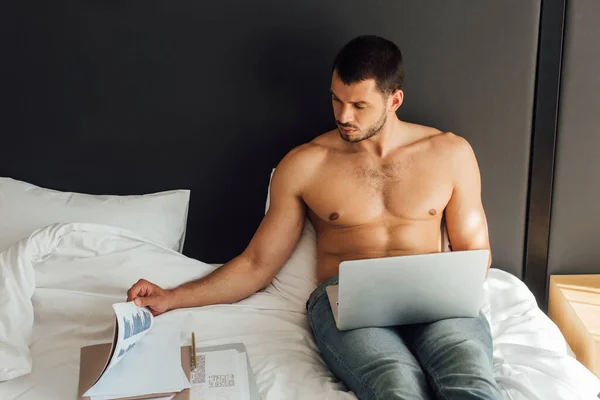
220,375
243,375
133,323
152,366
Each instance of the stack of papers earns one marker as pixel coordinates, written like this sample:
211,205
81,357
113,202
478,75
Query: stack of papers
144,361
220,375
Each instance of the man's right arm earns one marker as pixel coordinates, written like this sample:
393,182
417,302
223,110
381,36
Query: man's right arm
269,249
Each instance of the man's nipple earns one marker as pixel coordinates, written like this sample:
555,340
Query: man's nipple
333,216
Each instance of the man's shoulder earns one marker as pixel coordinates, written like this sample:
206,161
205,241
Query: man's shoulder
309,154
455,151
458,146
447,143
301,162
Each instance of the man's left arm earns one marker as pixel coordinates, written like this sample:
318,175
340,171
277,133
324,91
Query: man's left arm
466,222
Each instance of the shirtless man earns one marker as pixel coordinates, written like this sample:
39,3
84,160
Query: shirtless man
374,187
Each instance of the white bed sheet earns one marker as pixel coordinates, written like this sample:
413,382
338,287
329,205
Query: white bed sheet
81,269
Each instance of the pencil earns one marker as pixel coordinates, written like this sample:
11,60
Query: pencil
193,350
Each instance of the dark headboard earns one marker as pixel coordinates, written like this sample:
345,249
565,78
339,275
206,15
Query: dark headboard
140,96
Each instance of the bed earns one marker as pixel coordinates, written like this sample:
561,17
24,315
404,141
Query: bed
58,286
133,107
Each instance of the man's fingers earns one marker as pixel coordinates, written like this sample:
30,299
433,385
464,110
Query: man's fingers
148,301
132,293
146,294
135,291
140,288
153,302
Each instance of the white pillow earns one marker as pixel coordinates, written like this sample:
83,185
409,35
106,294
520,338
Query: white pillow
298,277
159,217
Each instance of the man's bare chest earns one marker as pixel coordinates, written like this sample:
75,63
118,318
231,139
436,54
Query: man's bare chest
350,194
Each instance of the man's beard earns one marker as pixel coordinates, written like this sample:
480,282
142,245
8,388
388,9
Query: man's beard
372,131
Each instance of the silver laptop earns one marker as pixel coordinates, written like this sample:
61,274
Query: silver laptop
411,289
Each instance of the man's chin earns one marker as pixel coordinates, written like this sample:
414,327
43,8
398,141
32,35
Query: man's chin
353,138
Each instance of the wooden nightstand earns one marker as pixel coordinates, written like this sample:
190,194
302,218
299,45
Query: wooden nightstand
574,306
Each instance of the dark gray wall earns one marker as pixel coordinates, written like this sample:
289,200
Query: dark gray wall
575,223
138,96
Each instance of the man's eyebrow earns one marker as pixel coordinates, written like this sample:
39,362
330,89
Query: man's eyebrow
362,102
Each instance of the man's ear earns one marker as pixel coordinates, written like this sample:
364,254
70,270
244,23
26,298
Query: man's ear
395,100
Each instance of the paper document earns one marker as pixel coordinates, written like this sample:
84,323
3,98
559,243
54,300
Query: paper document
145,359
220,375
133,323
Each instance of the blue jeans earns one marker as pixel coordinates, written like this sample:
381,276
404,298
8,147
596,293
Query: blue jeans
447,359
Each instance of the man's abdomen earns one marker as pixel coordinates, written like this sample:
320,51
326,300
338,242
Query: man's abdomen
373,241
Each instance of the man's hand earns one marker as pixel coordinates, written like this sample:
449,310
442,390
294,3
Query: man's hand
147,294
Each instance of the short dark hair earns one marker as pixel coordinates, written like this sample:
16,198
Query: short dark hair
371,57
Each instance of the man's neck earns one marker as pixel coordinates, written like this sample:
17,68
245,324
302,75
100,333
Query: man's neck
387,140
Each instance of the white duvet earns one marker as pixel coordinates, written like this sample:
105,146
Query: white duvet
57,287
